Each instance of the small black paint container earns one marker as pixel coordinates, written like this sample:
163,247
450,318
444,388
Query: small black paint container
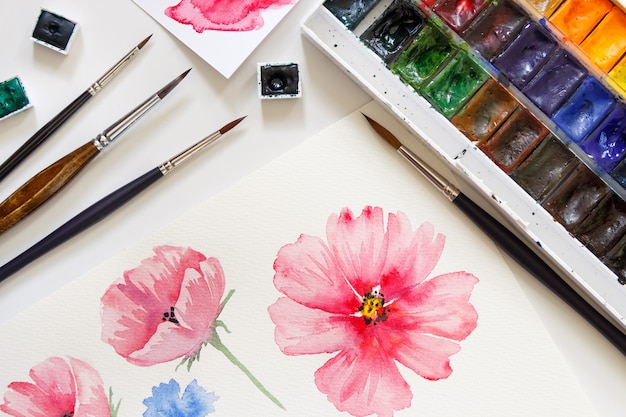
54,31
278,80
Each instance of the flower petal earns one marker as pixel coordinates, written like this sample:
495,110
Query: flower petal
307,272
301,330
411,257
200,297
428,356
91,399
440,306
359,245
363,383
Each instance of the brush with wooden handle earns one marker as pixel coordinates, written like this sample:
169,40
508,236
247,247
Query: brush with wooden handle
49,181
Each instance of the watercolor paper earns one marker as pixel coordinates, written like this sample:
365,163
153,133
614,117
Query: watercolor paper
222,32
262,301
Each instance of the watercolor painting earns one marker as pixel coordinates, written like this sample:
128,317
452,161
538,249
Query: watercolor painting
367,295
224,15
222,32
167,308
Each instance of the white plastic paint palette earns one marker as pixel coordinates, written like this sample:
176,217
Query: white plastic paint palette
579,266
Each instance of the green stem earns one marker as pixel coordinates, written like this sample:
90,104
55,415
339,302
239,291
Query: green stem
223,303
217,344
114,409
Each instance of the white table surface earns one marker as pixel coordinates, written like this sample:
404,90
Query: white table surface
202,103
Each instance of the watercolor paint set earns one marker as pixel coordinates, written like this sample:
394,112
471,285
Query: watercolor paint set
523,99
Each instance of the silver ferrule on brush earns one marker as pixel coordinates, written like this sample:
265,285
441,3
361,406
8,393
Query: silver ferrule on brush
108,76
442,184
116,129
169,165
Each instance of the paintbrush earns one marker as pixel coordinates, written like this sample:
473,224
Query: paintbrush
49,128
508,242
108,205
49,181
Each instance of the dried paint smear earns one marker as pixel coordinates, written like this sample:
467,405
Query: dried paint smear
223,15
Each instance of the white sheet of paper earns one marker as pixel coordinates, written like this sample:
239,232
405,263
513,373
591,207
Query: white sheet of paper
223,50
507,366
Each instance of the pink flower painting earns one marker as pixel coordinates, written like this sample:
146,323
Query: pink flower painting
167,308
164,309
60,388
366,295
223,15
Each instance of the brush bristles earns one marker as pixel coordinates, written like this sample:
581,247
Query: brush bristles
384,133
143,42
166,90
230,125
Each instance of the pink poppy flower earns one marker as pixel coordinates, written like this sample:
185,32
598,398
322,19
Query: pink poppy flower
60,388
224,15
366,296
165,308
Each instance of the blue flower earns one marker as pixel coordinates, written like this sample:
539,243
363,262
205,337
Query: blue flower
166,401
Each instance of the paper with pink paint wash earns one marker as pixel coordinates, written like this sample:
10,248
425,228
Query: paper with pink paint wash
222,32
333,282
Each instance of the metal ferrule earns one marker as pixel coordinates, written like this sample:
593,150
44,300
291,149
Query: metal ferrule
94,88
442,184
108,76
119,127
188,153
101,142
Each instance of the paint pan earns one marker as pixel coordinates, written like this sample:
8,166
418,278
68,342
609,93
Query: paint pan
618,75
455,83
606,44
485,112
607,144
394,29
423,58
582,112
604,226
525,55
490,33
517,137
278,80
458,14
576,197
577,18
13,97
54,31
350,12
545,7
544,169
